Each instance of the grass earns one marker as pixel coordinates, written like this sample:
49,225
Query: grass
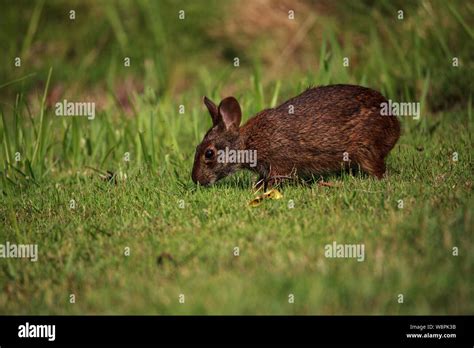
189,249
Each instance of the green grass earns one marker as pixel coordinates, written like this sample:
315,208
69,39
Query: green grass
176,249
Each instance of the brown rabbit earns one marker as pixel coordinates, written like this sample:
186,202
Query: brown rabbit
316,132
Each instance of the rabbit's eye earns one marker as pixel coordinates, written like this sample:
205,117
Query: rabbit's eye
209,154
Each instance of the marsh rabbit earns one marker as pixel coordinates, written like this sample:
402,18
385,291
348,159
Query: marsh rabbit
322,130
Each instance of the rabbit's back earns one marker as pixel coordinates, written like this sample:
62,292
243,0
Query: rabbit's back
323,127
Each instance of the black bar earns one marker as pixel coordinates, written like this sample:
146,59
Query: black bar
133,330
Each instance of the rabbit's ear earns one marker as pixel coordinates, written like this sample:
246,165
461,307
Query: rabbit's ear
230,113
212,110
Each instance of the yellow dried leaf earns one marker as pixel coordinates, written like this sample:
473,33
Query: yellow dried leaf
271,194
256,202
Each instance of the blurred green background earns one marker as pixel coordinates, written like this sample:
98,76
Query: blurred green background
171,55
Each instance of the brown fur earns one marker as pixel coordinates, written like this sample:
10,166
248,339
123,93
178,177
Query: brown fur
327,122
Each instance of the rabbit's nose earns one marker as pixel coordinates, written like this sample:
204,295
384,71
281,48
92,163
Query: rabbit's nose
196,178
200,181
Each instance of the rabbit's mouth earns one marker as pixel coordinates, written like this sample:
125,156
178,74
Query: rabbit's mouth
209,182
204,182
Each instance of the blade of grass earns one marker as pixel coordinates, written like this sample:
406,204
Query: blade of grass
42,129
33,26
146,156
458,16
6,139
276,92
6,84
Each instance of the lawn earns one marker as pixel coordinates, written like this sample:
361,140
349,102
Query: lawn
122,229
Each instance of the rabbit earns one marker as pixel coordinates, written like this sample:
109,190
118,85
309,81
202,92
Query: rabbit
320,131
